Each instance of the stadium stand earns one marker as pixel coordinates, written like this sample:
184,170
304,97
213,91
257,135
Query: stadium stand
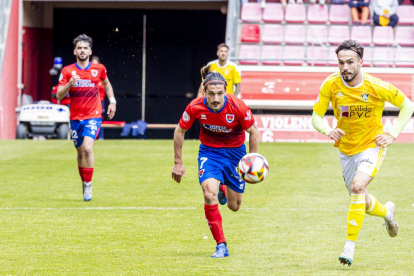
273,13
251,12
362,34
272,34
295,13
317,14
406,15
250,33
404,36
316,30
383,36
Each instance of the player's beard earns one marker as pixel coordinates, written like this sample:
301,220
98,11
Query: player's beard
83,58
351,77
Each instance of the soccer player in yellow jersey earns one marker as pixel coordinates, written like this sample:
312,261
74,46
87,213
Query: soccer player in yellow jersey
227,69
358,101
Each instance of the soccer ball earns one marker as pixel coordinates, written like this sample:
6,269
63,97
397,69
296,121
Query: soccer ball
253,168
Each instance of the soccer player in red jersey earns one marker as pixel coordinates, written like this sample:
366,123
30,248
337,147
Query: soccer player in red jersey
81,80
223,119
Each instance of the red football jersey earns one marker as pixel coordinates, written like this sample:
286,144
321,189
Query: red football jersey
101,91
222,129
85,102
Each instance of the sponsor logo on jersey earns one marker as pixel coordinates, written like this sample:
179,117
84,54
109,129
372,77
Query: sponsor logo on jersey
94,73
339,94
203,117
229,118
201,173
359,111
248,116
186,117
226,72
365,96
84,83
214,128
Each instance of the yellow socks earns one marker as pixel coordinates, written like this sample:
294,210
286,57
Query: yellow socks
355,216
376,208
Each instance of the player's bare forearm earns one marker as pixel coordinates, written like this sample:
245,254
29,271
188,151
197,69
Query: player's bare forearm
238,89
200,90
108,88
253,139
62,91
178,170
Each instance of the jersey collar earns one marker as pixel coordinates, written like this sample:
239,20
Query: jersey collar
224,66
86,68
211,110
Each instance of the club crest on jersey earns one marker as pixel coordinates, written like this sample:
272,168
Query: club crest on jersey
229,118
94,73
201,173
365,96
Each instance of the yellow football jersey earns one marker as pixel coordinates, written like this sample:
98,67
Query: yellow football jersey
229,71
358,109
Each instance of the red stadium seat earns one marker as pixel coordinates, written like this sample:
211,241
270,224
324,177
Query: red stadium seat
337,34
367,57
250,33
318,14
317,55
383,57
404,36
272,34
317,34
383,36
294,55
405,15
404,57
249,54
273,13
339,14
271,55
251,12
295,34
295,13
362,34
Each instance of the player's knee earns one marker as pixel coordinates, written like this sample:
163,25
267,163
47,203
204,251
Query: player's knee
210,198
358,187
234,205
88,150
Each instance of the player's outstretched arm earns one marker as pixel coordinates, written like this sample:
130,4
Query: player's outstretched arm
110,94
253,139
63,90
178,170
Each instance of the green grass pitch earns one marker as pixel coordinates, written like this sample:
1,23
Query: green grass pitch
293,223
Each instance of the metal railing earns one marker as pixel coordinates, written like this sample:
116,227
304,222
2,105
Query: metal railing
5,7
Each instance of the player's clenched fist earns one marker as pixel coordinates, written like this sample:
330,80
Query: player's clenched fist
177,172
73,80
336,134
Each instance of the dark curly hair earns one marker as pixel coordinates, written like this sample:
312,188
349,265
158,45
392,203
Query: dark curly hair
352,45
212,77
83,38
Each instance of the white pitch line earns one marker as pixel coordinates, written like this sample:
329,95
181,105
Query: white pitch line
97,208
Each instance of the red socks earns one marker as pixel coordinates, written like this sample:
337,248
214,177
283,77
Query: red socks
86,174
214,221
